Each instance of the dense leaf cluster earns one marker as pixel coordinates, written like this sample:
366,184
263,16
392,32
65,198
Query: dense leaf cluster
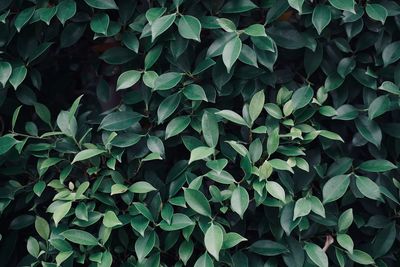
199,133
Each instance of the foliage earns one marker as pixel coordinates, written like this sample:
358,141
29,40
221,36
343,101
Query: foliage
199,133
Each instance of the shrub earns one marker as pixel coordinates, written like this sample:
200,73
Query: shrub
199,133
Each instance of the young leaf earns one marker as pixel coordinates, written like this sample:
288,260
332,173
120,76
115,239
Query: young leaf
200,153
87,154
231,116
256,105
213,240
231,52
110,219
239,201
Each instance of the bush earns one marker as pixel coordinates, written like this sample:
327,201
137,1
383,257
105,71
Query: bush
199,133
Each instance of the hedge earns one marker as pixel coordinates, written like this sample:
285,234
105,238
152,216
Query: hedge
199,133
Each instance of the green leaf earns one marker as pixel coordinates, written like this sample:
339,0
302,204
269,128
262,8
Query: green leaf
118,189
185,251
370,130
273,141
346,66
345,220
178,221
231,116
209,126
346,5
197,201
301,97
335,188
217,165
176,126
23,17
113,56
297,4
222,177
80,237
43,112
102,4
194,92
161,24
361,257
144,245
281,165
316,206
255,30
345,242
42,227
377,165
61,211
189,27
226,24
391,53
100,23
213,240
274,110
204,261
152,56
200,152
330,135
6,143
321,17
141,187
66,10
368,187
316,254
238,6
256,105
384,240
167,81
87,154
167,107
268,248
111,220
232,239
128,79
231,52
18,75
379,106
390,87
5,72
377,12
153,13
33,247
276,190
39,187
301,208
240,201
119,121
